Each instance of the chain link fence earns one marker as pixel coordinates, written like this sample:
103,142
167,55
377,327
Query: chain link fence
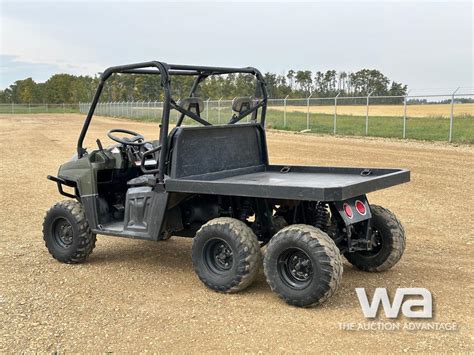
39,108
429,117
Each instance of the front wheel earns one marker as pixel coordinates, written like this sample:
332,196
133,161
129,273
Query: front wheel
303,265
66,233
389,238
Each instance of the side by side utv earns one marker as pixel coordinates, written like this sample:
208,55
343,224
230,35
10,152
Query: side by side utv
214,183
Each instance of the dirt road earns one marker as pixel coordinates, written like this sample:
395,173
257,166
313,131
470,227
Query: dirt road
144,296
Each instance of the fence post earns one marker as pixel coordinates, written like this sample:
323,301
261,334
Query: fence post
335,113
405,117
367,115
207,109
29,107
219,111
47,110
177,112
405,114
284,111
13,107
307,111
452,116
64,109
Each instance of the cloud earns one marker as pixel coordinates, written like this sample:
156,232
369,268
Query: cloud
12,70
411,42
25,42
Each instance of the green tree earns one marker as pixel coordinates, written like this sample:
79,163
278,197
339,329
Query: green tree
65,88
366,81
291,78
304,80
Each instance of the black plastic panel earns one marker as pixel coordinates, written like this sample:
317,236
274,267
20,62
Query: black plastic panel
207,150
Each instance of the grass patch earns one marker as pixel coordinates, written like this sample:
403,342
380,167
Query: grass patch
25,109
423,128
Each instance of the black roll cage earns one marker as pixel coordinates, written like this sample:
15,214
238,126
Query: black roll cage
166,71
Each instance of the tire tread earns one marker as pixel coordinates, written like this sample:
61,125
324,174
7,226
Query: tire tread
398,242
249,248
87,239
329,259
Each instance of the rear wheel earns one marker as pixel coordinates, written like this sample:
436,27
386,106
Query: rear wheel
303,265
66,233
389,237
226,255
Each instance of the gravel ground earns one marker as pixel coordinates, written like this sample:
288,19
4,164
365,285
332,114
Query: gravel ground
144,296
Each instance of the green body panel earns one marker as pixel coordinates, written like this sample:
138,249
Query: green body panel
84,171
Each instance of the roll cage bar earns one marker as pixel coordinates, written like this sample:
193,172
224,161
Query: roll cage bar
166,71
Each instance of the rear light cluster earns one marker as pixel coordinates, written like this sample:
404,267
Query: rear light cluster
359,207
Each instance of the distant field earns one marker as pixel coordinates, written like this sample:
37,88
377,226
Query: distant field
426,122
428,110
425,128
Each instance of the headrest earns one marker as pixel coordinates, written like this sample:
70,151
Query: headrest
241,104
192,104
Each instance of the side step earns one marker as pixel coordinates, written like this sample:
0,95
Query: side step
117,229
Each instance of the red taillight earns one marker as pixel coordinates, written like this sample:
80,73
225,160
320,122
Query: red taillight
360,207
348,211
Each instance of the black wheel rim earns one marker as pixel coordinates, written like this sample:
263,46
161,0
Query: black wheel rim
295,268
62,232
218,256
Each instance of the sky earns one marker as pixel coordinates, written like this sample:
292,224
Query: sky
427,45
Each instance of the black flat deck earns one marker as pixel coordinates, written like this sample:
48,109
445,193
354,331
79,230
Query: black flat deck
300,183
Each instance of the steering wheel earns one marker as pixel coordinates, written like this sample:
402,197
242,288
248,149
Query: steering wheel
136,139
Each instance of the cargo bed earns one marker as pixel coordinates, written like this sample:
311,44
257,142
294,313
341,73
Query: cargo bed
310,183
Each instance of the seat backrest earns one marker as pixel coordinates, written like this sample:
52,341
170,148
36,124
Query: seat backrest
242,104
210,150
194,104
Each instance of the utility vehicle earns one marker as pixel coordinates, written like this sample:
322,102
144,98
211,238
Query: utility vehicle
214,183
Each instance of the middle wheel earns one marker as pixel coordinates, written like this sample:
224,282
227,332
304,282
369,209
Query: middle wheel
226,255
